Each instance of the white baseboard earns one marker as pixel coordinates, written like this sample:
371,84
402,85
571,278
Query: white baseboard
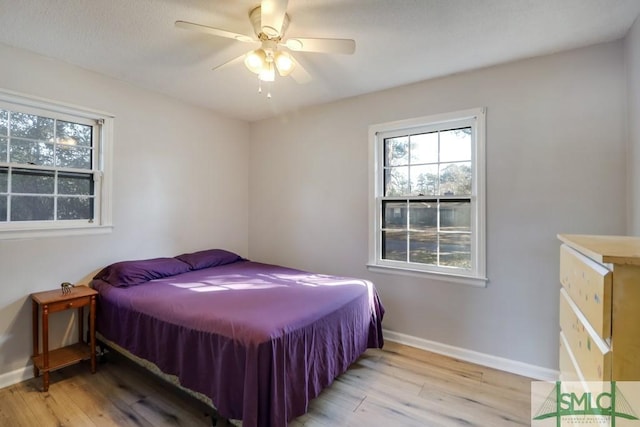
16,376
508,365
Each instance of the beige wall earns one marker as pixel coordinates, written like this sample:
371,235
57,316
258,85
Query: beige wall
180,184
632,59
555,163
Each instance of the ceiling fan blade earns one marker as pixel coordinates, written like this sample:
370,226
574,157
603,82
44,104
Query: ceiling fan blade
213,31
272,16
298,44
233,61
299,74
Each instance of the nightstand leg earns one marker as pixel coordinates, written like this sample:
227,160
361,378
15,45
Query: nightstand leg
35,320
45,347
92,333
81,324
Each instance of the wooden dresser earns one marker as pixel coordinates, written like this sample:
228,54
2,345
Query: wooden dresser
599,308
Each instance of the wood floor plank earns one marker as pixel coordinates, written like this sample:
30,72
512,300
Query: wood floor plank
53,404
153,399
14,409
409,412
106,408
479,402
395,386
451,364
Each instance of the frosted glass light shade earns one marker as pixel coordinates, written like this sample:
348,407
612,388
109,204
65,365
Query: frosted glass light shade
284,63
256,61
268,74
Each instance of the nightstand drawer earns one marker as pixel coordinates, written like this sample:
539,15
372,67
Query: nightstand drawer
589,285
592,354
69,304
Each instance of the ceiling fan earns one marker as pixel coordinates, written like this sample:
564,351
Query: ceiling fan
270,22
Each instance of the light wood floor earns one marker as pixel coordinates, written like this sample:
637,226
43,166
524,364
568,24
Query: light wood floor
396,386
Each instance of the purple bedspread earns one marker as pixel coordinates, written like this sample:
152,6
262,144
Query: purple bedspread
260,340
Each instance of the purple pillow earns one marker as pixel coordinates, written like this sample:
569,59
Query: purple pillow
130,273
209,258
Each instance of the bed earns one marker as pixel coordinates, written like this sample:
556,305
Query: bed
259,341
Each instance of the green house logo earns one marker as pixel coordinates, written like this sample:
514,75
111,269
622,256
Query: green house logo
584,406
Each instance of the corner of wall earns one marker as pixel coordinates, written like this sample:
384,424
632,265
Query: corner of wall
632,68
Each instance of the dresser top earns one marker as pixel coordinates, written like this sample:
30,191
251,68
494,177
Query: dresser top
605,249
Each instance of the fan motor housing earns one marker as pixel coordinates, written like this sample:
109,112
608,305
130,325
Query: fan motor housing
255,17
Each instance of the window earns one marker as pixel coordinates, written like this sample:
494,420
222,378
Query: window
54,168
427,197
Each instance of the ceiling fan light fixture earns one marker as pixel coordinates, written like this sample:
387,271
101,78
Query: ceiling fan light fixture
284,63
270,22
256,61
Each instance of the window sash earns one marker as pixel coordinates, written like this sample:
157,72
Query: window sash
438,230
475,269
56,194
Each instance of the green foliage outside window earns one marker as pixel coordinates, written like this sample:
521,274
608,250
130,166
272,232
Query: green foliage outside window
45,168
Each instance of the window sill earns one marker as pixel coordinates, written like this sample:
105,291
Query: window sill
32,233
479,282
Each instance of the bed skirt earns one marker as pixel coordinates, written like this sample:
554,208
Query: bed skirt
171,379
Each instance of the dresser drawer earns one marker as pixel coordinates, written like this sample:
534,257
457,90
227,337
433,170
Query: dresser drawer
592,354
589,285
568,369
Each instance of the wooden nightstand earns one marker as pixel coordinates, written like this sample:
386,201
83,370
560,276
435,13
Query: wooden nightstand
51,302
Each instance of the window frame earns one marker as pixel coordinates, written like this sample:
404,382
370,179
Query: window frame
102,147
476,118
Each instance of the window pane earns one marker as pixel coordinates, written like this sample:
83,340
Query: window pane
73,133
3,208
396,151
455,179
30,208
424,180
423,216
3,149
75,208
31,126
455,216
455,145
424,148
4,122
394,215
75,183
29,152
396,181
73,157
455,250
4,174
32,181
394,245
424,247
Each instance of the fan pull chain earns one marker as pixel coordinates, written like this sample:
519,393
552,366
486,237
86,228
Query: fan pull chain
268,87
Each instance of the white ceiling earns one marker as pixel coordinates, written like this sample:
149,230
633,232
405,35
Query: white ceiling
398,42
